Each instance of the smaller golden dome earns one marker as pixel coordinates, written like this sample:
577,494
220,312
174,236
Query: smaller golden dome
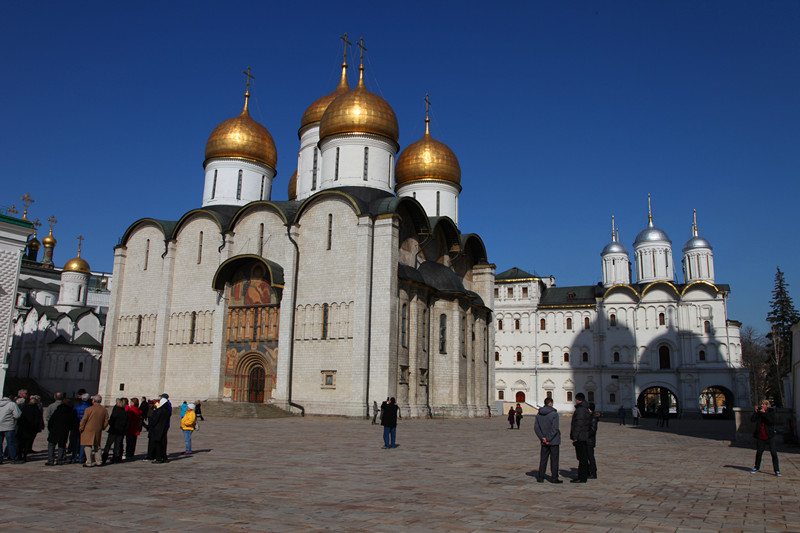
77,264
34,243
315,111
50,241
242,137
360,111
427,159
293,186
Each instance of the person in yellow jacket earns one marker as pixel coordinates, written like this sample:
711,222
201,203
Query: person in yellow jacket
188,425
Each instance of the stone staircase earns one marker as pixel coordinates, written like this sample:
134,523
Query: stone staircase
240,410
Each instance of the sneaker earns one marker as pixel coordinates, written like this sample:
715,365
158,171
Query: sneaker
754,470
123,457
778,473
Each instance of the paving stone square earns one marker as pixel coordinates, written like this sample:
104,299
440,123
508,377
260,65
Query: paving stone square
331,474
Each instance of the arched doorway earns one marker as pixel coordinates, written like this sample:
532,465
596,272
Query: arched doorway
520,397
715,402
663,358
653,398
254,379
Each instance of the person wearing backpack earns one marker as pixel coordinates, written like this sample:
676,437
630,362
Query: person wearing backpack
764,417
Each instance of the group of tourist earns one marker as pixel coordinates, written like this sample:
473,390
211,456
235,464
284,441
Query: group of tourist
75,428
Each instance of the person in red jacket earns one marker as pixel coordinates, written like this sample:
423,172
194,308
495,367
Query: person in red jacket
134,427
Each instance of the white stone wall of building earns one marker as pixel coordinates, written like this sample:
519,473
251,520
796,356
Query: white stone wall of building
380,156
438,198
307,182
223,186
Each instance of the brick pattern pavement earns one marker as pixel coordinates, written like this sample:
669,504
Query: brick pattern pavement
316,473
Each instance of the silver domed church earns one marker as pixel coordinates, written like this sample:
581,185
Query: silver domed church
652,343
351,291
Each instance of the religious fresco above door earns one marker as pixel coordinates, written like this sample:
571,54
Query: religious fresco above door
249,286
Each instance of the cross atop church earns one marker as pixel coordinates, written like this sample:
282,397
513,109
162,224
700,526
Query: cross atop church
346,42
36,225
80,242
360,44
12,210
427,113
249,77
649,210
26,201
52,220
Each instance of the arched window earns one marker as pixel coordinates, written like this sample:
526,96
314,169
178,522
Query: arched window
663,358
193,328
546,358
438,203
516,324
585,357
146,253
566,357
612,398
519,357
403,313
214,185
497,356
569,323
500,325
463,336
239,186
612,319
707,326
80,367
336,168
616,357
325,317
590,395
366,162
314,167
424,330
200,248
443,333
702,355
66,366
261,240
586,322
330,230
549,394
542,325
138,330
661,319
263,181
569,396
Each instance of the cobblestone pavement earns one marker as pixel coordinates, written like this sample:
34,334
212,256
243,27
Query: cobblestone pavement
316,474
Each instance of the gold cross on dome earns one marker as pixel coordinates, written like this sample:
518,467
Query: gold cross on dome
36,225
249,77
346,42
360,44
80,242
52,220
26,201
12,210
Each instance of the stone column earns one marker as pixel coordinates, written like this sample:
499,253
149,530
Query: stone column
107,369
161,344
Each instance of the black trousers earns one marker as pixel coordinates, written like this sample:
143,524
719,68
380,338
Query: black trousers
130,445
582,453
761,445
592,463
551,453
116,440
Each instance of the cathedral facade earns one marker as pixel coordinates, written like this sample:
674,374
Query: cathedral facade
651,343
359,287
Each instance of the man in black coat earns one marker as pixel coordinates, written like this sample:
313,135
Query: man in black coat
546,428
389,423
117,426
157,434
579,435
59,425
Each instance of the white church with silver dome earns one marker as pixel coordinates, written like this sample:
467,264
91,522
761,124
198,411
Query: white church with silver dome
358,287
653,342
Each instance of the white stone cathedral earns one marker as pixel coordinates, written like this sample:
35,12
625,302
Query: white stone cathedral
650,343
359,287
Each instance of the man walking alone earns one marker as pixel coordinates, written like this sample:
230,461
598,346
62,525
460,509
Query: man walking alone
389,423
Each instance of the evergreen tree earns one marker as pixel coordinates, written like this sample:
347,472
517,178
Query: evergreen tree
781,316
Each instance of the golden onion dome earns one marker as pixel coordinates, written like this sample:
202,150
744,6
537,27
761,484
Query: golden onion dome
315,111
50,241
293,186
77,264
34,243
242,137
360,111
427,159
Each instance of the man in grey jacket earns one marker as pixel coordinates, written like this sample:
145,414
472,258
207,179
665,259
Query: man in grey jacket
9,414
546,428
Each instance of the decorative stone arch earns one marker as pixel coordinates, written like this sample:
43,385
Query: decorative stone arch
253,378
716,401
655,393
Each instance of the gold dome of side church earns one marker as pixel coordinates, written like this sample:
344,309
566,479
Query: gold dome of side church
77,264
244,138
427,159
360,111
293,186
315,111
50,241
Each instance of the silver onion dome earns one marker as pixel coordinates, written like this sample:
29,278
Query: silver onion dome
614,248
696,242
651,234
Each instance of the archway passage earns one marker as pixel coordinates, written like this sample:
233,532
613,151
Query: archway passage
254,379
715,402
520,397
653,399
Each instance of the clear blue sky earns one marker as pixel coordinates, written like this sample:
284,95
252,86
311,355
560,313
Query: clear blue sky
561,114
